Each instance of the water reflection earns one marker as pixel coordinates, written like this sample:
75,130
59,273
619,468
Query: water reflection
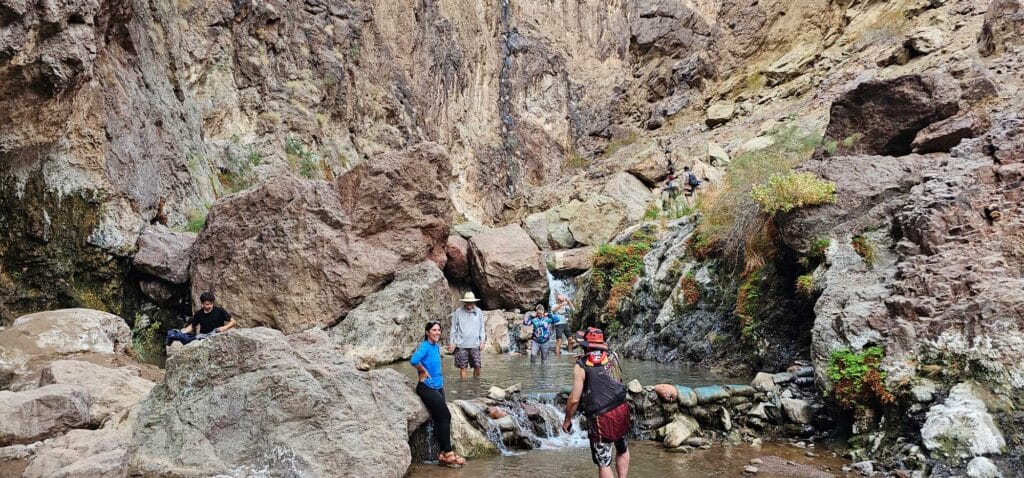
507,369
647,459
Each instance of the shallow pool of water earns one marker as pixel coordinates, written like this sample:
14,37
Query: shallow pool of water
649,459
507,369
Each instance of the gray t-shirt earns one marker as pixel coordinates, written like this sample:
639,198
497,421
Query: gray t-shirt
468,328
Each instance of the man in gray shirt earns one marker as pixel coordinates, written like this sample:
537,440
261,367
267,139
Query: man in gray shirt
468,336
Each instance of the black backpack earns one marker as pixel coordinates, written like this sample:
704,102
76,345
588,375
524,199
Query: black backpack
692,180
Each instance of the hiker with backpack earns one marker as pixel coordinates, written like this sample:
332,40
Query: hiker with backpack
690,185
603,398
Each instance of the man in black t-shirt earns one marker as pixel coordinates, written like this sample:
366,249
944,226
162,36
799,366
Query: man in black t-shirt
209,319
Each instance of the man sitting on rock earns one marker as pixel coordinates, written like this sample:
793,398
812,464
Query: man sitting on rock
467,336
208,320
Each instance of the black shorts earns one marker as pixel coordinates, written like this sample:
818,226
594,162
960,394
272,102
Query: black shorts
601,451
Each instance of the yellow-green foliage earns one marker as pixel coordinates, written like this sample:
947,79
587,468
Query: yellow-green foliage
732,222
617,143
575,160
805,285
788,191
196,220
748,302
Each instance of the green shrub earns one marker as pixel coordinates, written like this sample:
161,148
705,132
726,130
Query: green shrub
618,143
196,220
651,213
748,302
865,248
575,160
858,382
616,267
805,285
785,192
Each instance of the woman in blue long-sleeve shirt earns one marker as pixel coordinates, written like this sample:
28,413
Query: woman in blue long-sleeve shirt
427,360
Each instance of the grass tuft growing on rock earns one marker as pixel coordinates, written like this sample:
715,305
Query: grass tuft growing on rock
858,382
691,289
617,267
789,191
748,302
865,248
732,223
805,285
196,221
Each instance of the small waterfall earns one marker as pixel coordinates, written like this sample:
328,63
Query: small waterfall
565,286
494,434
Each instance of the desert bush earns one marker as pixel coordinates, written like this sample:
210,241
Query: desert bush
789,191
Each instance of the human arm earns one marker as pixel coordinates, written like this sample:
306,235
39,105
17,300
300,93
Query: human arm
228,326
451,333
417,362
528,318
187,329
578,375
483,331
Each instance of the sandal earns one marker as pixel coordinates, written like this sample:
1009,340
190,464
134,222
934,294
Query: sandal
451,459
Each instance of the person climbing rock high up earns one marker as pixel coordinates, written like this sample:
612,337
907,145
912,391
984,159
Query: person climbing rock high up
468,336
690,185
427,361
604,403
208,320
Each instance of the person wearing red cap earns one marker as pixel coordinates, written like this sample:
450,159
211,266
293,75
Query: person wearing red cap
604,403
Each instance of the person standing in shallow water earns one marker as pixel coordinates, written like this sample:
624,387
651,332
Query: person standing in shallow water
468,336
540,339
604,403
427,360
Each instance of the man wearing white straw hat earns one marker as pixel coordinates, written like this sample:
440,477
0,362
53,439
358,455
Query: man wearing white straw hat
468,336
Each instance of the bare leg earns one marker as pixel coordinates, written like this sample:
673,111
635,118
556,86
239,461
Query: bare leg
604,472
622,464
558,346
476,372
462,374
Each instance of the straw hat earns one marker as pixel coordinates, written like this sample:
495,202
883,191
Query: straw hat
469,297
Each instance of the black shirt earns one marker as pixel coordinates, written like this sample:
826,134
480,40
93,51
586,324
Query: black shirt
209,321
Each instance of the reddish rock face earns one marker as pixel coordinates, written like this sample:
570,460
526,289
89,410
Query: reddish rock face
944,135
506,266
882,117
294,254
456,268
666,393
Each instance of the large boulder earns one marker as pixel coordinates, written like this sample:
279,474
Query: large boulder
111,390
507,267
82,453
882,117
631,192
35,339
571,261
294,253
678,430
255,400
597,220
456,268
944,135
961,427
40,413
550,229
164,253
496,324
1003,27
388,325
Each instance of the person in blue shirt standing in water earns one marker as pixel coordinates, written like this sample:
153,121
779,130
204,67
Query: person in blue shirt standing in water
427,360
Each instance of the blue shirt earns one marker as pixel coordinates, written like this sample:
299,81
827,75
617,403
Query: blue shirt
429,356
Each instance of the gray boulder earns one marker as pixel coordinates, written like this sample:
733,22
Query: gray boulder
961,427
597,220
388,325
254,400
82,453
981,467
41,413
631,192
164,253
111,391
797,411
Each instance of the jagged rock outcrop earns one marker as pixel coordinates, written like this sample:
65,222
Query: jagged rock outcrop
258,400
507,267
1004,24
294,254
388,325
866,120
456,268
